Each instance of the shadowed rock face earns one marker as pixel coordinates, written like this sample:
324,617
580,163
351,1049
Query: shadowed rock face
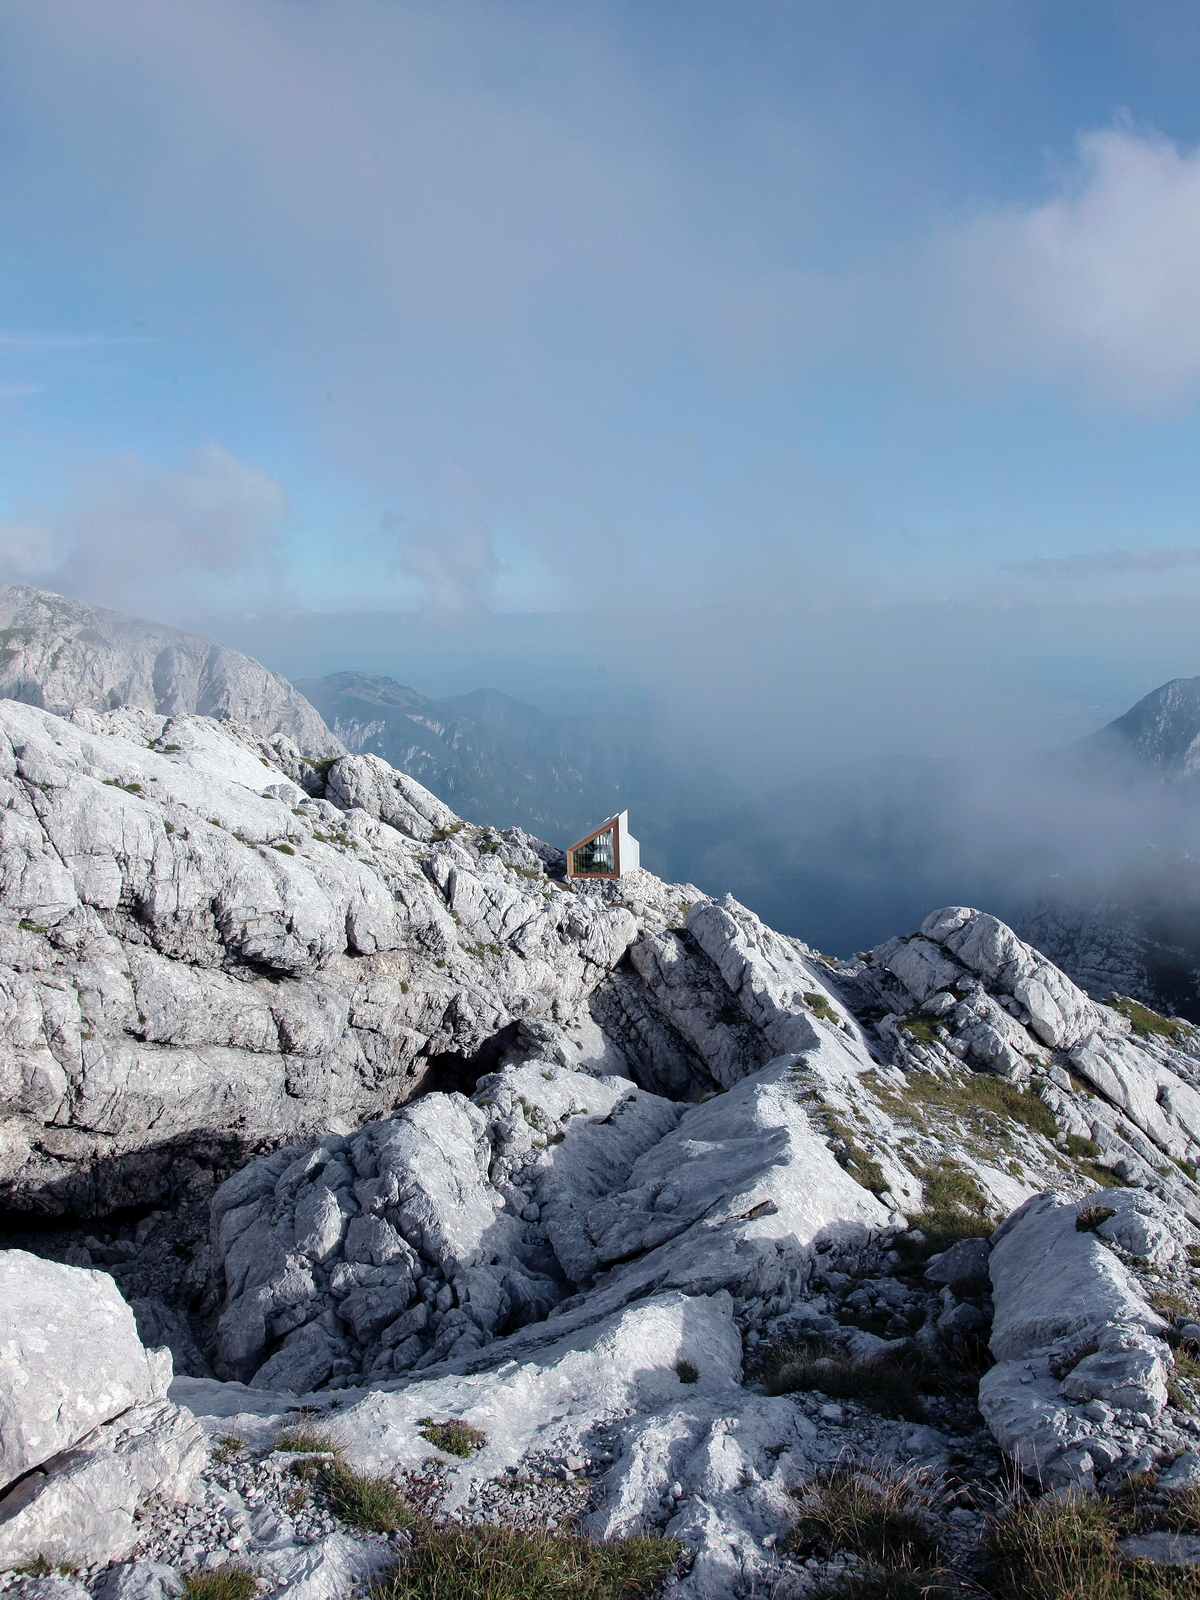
61,654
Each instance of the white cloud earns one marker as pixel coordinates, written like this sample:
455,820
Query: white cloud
27,552
1101,283
456,565
146,538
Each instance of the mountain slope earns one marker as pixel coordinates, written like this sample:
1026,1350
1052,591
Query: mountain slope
552,1159
496,759
1159,735
1133,926
62,654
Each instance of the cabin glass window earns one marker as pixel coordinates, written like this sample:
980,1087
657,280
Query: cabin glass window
597,858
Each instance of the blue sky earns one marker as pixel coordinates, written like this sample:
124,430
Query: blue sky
551,333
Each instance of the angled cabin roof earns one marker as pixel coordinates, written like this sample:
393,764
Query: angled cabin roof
608,851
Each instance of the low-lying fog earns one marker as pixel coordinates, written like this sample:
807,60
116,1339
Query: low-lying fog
841,771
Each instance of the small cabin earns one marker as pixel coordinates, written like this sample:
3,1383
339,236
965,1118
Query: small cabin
609,852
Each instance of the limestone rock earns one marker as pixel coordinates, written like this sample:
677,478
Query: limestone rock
70,1359
1081,1378
327,1570
64,654
195,951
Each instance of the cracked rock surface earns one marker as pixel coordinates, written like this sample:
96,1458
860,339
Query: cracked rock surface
376,1123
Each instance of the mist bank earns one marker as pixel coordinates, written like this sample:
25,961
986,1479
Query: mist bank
776,690
839,770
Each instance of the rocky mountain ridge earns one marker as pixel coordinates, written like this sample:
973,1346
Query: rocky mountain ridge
1160,735
410,1132
64,654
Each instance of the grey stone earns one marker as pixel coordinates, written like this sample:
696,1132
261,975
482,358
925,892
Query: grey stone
1168,1549
1183,1473
962,1318
966,1259
304,1360
70,1359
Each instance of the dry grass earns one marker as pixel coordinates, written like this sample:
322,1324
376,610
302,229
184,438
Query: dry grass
1168,1303
224,1583
486,1562
1090,1217
1182,1513
890,1385
883,1516
1054,1549
304,1440
873,1582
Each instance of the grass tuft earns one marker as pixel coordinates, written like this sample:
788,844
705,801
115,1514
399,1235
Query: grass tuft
882,1517
455,1437
1066,1549
363,1500
955,1206
921,1027
1169,1304
223,1583
1147,1023
890,1583
486,1562
687,1372
1081,1149
228,1446
819,1005
1090,1218
305,1440
890,1385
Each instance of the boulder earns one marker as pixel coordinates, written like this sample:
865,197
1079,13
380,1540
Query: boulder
963,1262
70,1359
1050,1279
1081,1377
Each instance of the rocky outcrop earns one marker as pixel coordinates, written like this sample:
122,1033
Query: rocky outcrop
644,1410
425,1237
195,951
1081,1381
86,1434
65,655
574,1164
966,989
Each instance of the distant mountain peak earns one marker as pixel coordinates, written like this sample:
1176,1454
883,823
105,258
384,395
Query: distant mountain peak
61,654
1160,734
